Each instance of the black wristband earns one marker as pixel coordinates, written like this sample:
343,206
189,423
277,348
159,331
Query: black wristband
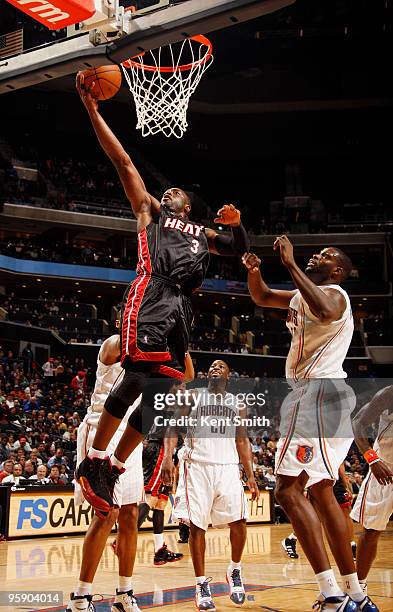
241,241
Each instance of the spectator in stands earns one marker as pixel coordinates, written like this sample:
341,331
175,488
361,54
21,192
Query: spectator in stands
356,483
27,356
3,445
16,475
63,473
41,476
22,444
54,476
28,469
47,368
7,469
79,384
42,454
35,459
269,476
57,459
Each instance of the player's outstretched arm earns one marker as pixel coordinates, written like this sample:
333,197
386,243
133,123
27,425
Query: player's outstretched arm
260,293
235,244
328,304
142,203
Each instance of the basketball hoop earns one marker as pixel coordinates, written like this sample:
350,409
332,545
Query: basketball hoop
163,87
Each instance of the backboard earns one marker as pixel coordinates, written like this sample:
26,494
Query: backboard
114,35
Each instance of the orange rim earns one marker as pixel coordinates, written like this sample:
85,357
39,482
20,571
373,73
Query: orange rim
200,38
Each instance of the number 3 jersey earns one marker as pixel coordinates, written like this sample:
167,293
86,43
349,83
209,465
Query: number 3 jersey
211,432
178,250
173,257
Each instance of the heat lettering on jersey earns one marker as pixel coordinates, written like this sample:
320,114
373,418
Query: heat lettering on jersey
186,228
292,317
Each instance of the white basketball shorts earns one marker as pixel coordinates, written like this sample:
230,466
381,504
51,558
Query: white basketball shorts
316,429
210,493
129,489
374,504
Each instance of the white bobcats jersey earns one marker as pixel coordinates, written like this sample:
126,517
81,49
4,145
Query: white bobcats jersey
383,445
317,350
106,376
211,435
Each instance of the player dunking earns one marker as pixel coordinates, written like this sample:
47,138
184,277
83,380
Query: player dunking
128,491
321,323
173,258
210,488
374,504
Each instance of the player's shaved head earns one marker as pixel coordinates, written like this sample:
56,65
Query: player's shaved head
177,201
330,265
345,263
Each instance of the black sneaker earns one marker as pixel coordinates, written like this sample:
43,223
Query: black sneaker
93,477
353,546
184,532
163,555
289,545
110,476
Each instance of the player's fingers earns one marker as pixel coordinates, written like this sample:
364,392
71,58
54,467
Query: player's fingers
218,220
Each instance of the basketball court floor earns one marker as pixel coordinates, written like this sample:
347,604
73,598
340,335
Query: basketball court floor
274,582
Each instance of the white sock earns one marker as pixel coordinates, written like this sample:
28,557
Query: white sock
116,462
200,579
353,543
328,584
234,565
99,454
352,587
158,596
83,588
158,541
125,584
363,584
292,537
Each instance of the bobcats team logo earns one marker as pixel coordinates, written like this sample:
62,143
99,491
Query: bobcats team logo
304,454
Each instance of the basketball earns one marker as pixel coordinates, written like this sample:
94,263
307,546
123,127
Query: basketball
103,82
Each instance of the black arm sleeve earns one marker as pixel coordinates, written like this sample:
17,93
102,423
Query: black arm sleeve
236,244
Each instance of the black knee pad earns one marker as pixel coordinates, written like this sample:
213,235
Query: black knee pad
125,393
158,521
153,396
142,418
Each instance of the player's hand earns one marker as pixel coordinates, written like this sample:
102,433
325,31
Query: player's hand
253,488
252,262
168,471
88,100
286,250
382,472
228,215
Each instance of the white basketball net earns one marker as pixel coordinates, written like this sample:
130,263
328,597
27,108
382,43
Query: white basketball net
162,88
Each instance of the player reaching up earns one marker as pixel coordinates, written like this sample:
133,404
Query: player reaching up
315,417
173,258
374,504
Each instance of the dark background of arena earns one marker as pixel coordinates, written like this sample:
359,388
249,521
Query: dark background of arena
293,123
